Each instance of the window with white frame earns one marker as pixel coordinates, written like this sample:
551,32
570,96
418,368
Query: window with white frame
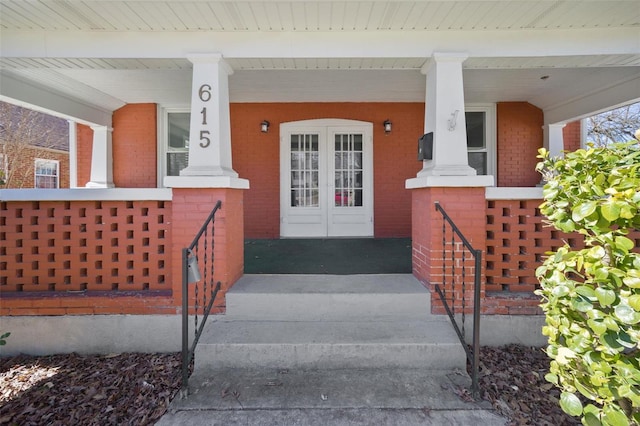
481,138
47,173
175,143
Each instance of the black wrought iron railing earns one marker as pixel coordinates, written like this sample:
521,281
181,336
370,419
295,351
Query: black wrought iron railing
205,291
454,289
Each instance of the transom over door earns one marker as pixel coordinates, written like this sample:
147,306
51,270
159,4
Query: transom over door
326,179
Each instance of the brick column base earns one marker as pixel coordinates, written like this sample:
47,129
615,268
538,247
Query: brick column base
467,207
191,207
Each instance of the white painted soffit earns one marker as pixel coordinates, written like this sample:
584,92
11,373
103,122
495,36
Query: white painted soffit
315,15
325,63
110,89
380,44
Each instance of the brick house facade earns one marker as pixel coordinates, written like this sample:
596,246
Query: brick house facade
112,245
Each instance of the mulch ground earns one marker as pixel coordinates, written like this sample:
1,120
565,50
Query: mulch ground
135,389
122,389
512,379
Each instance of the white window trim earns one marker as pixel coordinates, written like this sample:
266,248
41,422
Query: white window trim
35,171
490,132
163,138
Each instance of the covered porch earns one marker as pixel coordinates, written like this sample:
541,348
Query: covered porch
124,73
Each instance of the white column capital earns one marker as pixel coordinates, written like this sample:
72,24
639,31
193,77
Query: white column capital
211,58
443,57
99,128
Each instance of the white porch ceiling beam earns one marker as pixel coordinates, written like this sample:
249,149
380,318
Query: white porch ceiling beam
608,98
34,96
353,44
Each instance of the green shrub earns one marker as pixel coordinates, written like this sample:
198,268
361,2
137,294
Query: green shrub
591,297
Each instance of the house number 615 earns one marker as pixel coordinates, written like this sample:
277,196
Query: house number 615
204,93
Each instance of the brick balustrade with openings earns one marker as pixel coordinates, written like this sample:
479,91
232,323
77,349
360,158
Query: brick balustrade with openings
517,242
114,255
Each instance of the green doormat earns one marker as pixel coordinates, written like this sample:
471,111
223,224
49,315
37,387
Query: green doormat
328,256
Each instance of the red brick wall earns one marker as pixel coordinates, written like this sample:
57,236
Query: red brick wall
572,135
191,207
467,207
84,138
256,157
134,146
519,138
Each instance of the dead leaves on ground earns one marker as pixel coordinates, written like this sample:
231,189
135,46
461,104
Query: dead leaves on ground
135,389
512,379
87,390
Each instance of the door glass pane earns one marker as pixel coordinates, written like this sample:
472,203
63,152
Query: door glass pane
348,170
304,171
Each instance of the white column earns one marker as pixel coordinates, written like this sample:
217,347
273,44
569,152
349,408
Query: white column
210,127
101,158
444,116
553,138
73,154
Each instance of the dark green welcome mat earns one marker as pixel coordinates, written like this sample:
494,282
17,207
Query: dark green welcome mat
340,256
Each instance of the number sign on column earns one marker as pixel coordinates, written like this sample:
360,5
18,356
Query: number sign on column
205,96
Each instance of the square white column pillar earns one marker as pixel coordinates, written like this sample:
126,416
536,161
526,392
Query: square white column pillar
210,126
73,154
554,138
101,158
444,116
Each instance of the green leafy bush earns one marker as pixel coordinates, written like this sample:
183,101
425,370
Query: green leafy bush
591,297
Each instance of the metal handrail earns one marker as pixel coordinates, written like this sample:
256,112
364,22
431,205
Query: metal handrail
473,354
188,353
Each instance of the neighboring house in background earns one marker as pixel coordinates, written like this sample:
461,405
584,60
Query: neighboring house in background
34,149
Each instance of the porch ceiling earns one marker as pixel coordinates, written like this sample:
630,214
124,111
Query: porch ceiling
314,15
111,83
106,53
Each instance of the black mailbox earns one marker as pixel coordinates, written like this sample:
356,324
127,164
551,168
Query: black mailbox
425,147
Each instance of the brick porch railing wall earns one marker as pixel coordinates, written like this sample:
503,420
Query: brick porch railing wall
516,243
85,257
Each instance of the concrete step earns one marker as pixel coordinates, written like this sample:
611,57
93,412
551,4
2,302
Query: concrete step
428,344
329,397
328,297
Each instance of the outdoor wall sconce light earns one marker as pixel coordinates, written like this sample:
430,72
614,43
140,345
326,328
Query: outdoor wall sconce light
452,121
264,126
387,126
193,270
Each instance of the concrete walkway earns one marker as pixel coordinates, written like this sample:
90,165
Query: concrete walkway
329,397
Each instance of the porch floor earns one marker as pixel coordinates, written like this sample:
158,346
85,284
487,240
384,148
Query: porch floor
335,256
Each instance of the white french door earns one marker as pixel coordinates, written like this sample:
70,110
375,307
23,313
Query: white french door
326,179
